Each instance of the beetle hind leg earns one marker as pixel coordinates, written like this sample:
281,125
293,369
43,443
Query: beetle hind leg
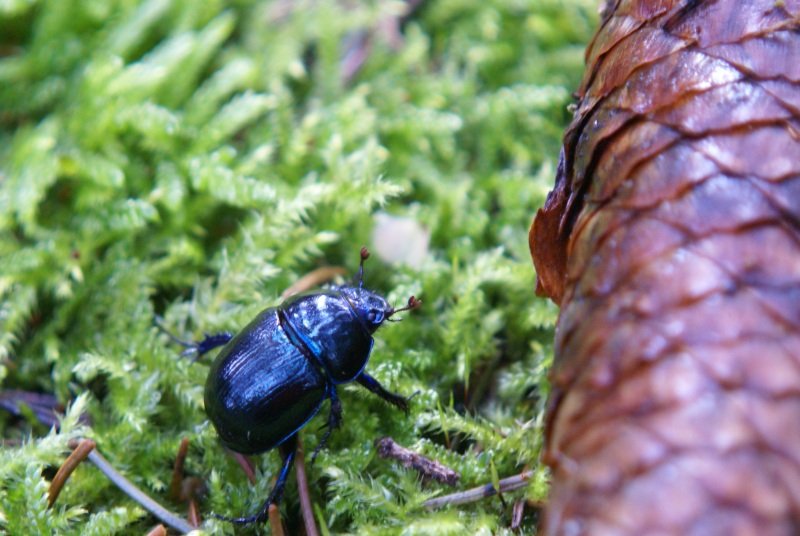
288,450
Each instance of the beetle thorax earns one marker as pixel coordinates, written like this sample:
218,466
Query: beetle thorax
333,327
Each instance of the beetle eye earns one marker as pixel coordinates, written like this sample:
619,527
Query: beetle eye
375,316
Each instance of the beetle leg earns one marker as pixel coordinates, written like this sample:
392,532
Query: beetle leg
335,416
197,349
374,386
288,450
208,343
334,420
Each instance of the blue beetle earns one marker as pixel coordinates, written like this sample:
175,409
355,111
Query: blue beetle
272,377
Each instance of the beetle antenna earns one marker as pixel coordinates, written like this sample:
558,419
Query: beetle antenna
413,303
364,256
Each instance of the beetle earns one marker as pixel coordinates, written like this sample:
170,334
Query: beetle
269,380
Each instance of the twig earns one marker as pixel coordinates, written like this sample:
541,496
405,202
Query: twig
78,454
193,514
186,489
158,530
246,464
313,279
177,471
275,520
481,492
388,448
44,406
516,514
357,46
129,489
306,508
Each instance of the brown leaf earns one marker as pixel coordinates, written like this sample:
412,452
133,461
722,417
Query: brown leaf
672,243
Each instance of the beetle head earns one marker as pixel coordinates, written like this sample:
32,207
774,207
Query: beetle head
373,309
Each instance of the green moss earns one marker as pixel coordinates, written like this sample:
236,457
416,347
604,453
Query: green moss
195,159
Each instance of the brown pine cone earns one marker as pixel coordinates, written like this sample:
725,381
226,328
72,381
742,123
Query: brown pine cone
672,243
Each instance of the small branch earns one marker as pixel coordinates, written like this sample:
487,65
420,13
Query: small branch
275,520
186,489
44,406
516,514
46,410
79,453
358,46
481,492
177,471
246,464
306,507
313,279
193,514
431,469
129,489
158,530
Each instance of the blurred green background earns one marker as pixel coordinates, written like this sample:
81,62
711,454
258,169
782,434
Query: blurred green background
194,159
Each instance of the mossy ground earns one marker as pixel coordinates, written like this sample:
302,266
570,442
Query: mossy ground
193,159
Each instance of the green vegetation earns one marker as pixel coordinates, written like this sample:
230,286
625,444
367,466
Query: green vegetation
194,159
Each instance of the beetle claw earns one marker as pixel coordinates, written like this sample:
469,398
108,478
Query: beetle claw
320,446
403,405
159,323
191,352
195,350
407,402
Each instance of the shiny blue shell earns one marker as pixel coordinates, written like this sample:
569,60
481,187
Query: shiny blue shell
272,377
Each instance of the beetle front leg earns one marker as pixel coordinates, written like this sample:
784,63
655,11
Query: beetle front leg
375,387
288,450
199,348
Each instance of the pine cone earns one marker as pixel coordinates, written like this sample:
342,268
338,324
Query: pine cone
672,243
